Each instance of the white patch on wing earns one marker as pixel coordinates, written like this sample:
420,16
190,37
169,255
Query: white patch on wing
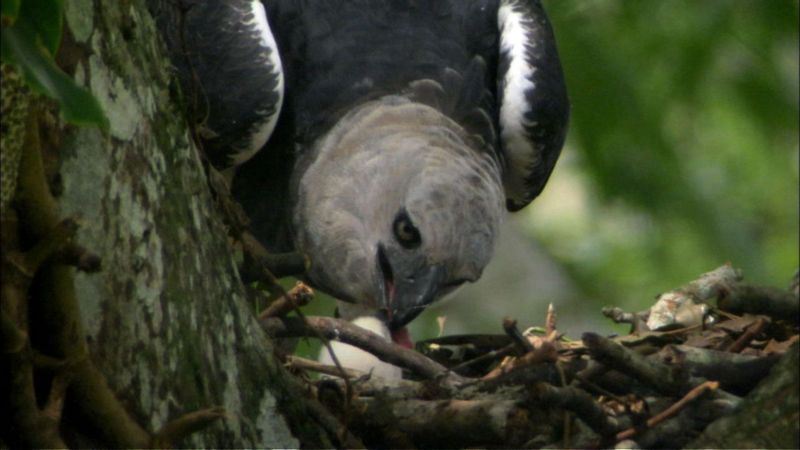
263,131
519,150
354,358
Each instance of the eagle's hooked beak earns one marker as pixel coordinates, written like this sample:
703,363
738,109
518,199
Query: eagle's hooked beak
407,293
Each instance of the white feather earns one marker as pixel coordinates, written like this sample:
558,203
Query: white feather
265,129
519,151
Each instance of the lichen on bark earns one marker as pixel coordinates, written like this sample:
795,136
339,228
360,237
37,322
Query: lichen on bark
166,319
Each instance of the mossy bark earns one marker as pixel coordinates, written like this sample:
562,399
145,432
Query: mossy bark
166,319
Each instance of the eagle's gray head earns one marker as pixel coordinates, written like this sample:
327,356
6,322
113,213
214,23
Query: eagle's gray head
395,208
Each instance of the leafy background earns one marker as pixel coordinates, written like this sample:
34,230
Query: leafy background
682,155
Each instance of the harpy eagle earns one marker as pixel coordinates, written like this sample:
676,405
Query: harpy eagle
382,138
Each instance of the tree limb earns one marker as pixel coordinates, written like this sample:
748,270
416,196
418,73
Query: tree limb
341,330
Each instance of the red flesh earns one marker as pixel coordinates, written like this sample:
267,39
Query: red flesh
402,338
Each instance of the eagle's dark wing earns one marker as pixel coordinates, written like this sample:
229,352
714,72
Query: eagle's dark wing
493,63
339,54
230,72
533,100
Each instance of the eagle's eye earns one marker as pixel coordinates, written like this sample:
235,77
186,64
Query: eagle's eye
405,232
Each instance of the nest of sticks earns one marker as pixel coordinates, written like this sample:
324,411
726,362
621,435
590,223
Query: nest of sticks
695,370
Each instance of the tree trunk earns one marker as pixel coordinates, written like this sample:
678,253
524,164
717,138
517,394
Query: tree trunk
166,319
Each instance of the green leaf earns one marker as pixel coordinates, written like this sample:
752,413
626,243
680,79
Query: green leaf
45,17
10,10
78,106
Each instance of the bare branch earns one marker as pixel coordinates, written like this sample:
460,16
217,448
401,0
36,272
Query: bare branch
299,295
177,429
672,410
341,330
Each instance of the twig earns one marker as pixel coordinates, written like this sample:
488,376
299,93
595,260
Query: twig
563,378
55,400
550,320
297,362
735,372
95,402
593,369
489,356
776,303
749,334
546,352
21,267
344,331
299,295
31,427
537,349
257,262
75,255
672,410
580,403
448,423
616,356
331,426
42,361
342,433
13,339
279,265
595,387
712,284
510,327
256,255
368,386
637,320
524,375
177,429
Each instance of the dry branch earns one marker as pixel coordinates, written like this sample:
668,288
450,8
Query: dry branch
624,392
75,255
177,429
258,260
749,334
341,330
581,403
447,423
662,377
735,372
296,362
776,303
672,410
299,295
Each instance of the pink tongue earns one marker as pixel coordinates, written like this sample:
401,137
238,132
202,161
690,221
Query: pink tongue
402,338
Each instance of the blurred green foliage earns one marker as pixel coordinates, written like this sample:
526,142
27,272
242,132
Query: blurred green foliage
683,144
